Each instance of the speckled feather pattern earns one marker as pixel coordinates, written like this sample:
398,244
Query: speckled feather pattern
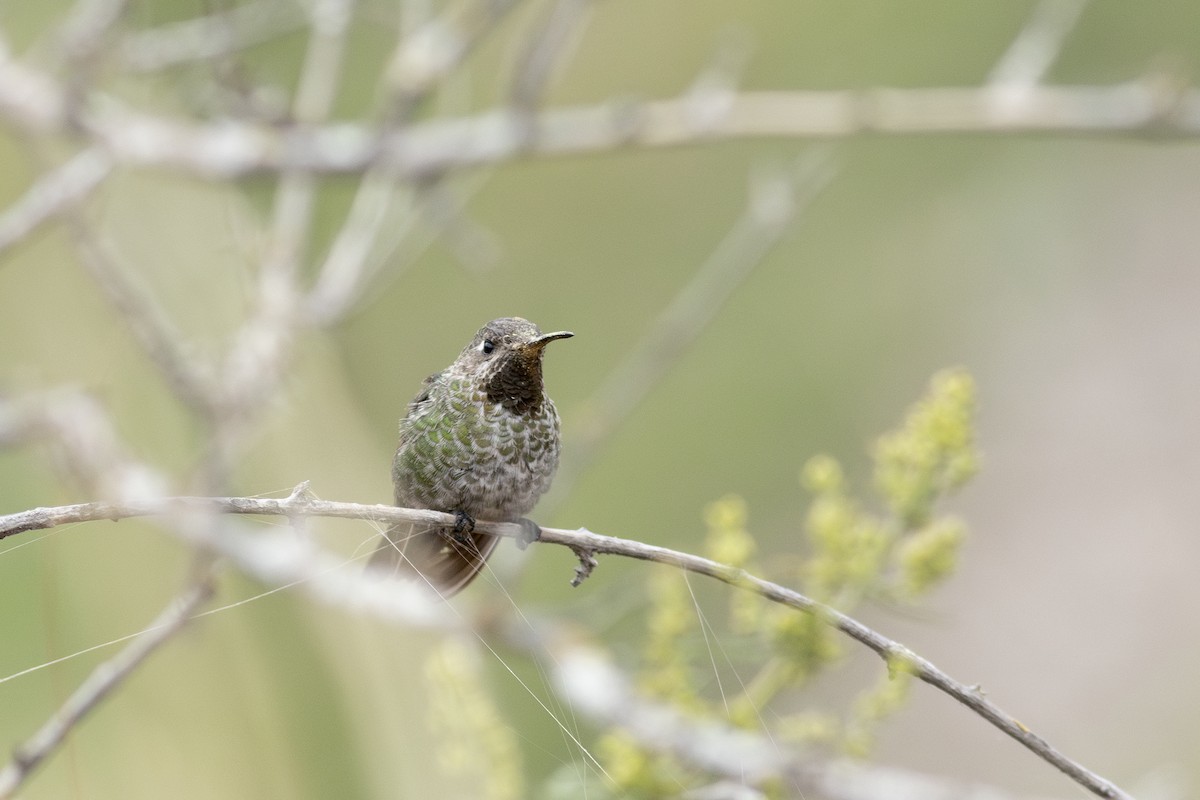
461,451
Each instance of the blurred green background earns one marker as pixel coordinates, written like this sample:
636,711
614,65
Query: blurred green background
1061,272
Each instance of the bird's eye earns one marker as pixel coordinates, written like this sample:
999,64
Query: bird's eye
487,347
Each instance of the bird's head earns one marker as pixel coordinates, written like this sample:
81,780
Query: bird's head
506,356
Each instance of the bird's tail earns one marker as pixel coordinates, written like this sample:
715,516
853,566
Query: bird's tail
433,555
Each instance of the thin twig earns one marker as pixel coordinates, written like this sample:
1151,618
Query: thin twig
262,347
775,201
83,40
539,59
207,37
87,26
340,280
83,441
376,236
274,560
1033,52
423,59
586,677
587,563
886,648
299,505
98,685
29,98
34,101
188,377
60,189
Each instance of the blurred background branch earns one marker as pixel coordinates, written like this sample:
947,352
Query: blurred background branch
595,691
103,680
205,219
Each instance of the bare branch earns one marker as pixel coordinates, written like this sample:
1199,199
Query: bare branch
539,59
102,681
83,34
775,200
589,681
889,650
212,36
322,68
298,505
1036,48
55,192
83,441
83,40
341,277
28,97
191,380
422,58
33,101
262,347
276,559
385,228
586,677
425,57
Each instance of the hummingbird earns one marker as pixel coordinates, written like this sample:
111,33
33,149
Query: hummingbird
480,441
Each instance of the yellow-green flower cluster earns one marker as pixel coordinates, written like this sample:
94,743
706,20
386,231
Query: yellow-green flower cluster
728,539
635,773
852,555
875,705
672,617
805,641
933,453
930,554
729,542
473,739
848,545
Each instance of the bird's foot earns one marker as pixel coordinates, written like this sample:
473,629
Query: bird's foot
462,522
530,532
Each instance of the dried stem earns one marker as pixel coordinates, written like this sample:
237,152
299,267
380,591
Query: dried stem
540,57
420,61
396,153
1155,108
428,55
188,377
1031,55
55,192
586,676
270,558
259,355
218,34
775,201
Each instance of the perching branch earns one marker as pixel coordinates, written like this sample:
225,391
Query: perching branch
269,564
587,678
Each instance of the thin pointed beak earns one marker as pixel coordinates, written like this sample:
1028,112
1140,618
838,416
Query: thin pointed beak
547,338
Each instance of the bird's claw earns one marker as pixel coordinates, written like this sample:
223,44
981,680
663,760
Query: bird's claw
463,522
